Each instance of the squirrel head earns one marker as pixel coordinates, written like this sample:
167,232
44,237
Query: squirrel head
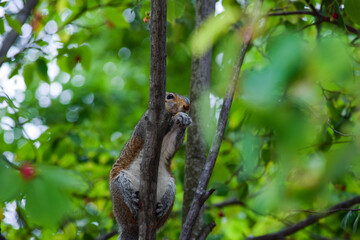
175,103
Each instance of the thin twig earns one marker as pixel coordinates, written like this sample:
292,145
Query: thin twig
300,12
85,9
260,51
9,101
313,9
13,165
321,18
330,211
354,40
201,194
12,35
206,230
324,144
226,203
336,131
308,221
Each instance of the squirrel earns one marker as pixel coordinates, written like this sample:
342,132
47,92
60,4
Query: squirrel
125,173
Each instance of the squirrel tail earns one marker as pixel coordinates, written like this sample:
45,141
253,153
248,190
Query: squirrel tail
129,234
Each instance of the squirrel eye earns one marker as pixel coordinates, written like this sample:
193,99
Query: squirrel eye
170,96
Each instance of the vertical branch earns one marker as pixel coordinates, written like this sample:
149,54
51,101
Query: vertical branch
12,35
199,86
155,129
201,193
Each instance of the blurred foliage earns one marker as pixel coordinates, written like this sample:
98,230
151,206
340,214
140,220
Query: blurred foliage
76,84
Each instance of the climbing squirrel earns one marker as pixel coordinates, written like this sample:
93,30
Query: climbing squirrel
125,173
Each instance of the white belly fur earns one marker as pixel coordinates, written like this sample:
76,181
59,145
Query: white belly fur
164,178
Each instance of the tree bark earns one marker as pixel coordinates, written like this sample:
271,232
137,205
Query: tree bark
155,123
199,86
12,35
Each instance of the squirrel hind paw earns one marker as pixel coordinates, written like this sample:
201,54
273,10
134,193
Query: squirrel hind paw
135,200
160,209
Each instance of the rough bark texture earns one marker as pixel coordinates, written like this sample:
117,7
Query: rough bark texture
308,221
155,129
196,145
12,35
201,193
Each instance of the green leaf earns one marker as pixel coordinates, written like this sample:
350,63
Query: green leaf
70,231
299,5
64,65
13,23
74,57
352,8
42,43
114,16
42,68
243,191
266,155
212,29
175,9
15,70
349,220
340,19
249,148
2,27
85,56
11,182
265,88
356,223
28,74
65,180
208,218
325,138
46,205
222,189
242,177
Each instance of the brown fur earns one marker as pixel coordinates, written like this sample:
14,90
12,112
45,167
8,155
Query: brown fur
130,151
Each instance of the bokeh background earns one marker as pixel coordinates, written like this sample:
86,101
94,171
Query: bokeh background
75,83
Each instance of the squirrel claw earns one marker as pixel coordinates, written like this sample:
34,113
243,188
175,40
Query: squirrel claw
135,200
159,210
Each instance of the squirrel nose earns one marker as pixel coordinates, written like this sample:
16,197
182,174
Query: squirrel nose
186,108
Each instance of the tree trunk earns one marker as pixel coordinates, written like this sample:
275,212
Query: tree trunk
196,145
155,123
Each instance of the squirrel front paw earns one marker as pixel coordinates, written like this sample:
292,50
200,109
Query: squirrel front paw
182,119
